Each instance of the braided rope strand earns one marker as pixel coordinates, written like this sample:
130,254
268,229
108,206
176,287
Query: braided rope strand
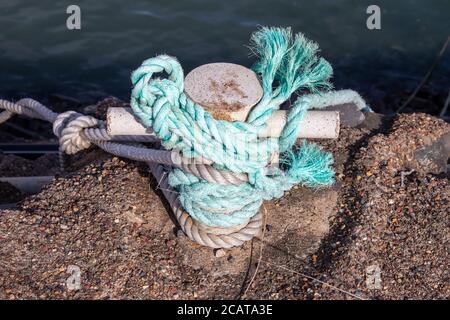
206,236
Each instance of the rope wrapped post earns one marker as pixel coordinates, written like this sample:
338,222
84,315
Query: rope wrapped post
228,92
219,112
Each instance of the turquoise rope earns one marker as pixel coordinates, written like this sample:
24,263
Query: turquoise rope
286,64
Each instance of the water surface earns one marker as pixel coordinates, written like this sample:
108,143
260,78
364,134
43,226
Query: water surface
39,55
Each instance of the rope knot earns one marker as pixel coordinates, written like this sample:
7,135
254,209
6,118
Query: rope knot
69,126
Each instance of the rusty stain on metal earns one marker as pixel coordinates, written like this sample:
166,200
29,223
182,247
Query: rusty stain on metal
228,91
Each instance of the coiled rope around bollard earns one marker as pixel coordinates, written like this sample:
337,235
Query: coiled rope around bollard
286,64
220,170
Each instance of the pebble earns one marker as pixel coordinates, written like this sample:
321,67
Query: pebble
219,253
180,233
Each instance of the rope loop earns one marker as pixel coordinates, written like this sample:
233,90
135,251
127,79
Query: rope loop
69,126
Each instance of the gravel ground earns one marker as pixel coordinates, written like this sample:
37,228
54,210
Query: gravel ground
394,224
106,216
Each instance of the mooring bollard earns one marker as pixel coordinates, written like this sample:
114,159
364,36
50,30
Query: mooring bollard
229,91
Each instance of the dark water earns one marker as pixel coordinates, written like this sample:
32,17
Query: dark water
40,56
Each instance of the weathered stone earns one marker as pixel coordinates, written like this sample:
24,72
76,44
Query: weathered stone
349,114
301,222
433,157
375,121
297,226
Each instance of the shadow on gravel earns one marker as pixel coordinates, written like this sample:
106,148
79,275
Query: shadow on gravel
325,256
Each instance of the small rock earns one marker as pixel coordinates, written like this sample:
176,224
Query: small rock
349,114
179,233
374,121
433,157
219,253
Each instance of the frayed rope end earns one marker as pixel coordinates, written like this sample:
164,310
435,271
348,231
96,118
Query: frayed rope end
310,166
